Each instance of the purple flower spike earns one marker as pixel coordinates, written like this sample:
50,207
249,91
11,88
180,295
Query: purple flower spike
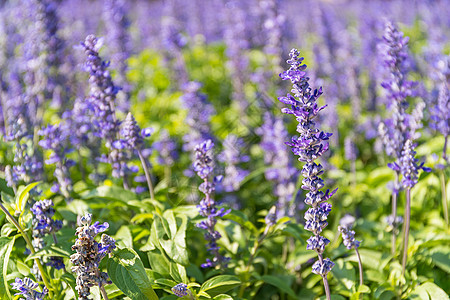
27,288
88,255
204,166
310,145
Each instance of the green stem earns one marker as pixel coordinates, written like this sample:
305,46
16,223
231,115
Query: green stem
30,245
147,174
325,280
394,215
406,235
361,278
444,196
250,260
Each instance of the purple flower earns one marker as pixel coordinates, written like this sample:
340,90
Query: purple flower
204,165
199,113
57,140
102,92
119,41
166,149
348,235
309,146
180,290
43,225
26,288
231,156
88,255
409,165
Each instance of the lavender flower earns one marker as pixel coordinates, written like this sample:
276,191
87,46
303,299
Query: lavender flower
231,156
409,166
133,139
103,91
396,130
117,24
351,152
56,139
166,148
280,169
237,44
180,290
204,166
27,288
198,117
309,146
44,224
440,114
348,235
88,255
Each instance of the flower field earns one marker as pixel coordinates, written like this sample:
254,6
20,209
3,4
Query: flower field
224,149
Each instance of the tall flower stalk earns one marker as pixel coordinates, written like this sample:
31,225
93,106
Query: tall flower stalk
349,241
204,166
395,131
133,139
310,145
409,167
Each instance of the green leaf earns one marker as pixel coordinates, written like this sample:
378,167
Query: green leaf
280,283
110,192
441,258
22,196
345,273
6,246
435,292
240,218
48,251
124,238
127,272
223,297
219,285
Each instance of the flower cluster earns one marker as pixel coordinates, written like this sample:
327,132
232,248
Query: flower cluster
103,91
410,166
348,235
117,24
198,117
180,290
280,168
395,58
309,146
88,255
441,111
351,152
231,156
57,139
166,148
44,224
204,166
27,288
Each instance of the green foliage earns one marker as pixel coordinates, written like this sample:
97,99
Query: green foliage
126,270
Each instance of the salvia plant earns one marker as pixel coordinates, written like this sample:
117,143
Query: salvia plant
309,146
150,161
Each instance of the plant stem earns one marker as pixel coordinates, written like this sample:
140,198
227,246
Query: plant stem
104,294
147,174
325,280
252,257
353,173
444,196
394,214
444,151
407,222
30,245
361,278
